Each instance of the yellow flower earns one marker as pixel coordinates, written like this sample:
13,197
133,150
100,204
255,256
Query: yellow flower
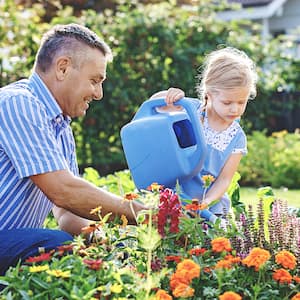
279,134
207,180
116,288
96,210
59,273
155,187
124,221
35,269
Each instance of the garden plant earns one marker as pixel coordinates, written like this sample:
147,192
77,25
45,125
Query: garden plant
169,254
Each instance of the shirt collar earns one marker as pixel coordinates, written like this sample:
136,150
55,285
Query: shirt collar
45,97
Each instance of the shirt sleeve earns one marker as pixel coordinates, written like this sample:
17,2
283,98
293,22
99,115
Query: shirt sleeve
241,144
27,137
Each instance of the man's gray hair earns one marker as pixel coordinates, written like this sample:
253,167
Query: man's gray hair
68,40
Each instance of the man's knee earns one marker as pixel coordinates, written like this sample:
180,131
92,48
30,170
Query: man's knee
19,244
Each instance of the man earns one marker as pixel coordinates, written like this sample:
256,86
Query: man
38,167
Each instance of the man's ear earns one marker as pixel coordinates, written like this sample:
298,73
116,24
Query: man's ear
62,66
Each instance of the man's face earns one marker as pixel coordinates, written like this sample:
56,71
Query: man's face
83,84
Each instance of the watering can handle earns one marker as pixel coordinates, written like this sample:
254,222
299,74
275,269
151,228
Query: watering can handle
148,109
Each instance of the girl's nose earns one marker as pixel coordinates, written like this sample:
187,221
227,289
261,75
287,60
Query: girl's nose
234,107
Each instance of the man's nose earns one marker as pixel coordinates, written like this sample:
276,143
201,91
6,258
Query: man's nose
98,92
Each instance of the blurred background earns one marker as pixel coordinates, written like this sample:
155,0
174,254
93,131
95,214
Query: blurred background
158,44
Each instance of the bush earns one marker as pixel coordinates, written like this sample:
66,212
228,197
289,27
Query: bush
272,160
154,46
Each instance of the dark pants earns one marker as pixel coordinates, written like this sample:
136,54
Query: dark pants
19,244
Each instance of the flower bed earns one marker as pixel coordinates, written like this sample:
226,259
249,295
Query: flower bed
170,255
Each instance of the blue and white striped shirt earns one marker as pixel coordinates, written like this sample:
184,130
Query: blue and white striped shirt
35,138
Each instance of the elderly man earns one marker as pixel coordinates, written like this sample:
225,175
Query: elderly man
38,167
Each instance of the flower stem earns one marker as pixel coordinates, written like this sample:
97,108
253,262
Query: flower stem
132,210
149,257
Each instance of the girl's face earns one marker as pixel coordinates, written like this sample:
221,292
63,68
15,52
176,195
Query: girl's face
228,105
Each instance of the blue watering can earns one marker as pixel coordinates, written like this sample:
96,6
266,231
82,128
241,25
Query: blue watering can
164,147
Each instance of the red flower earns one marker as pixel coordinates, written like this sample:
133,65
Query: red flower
93,264
64,248
169,211
175,258
42,257
197,251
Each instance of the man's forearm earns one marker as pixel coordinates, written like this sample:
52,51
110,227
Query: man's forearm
80,196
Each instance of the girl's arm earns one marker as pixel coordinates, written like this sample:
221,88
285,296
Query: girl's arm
223,181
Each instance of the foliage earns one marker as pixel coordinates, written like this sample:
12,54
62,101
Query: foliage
272,160
154,46
187,259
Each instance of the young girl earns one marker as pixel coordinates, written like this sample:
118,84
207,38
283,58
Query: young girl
227,82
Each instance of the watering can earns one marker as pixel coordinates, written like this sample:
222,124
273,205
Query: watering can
164,147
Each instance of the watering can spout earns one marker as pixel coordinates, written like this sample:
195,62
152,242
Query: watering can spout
164,147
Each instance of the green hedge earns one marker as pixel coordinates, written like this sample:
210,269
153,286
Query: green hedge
155,46
272,160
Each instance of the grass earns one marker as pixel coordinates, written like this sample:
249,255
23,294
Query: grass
248,195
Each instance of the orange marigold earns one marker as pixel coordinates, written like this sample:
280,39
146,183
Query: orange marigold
223,264
189,269
220,244
230,296
286,259
296,297
297,279
183,291
256,258
177,279
282,276
162,295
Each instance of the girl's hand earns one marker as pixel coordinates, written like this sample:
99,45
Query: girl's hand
173,95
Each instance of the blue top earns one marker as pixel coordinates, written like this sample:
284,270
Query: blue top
35,138
220,145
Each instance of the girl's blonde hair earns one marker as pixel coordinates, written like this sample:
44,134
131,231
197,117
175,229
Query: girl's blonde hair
226,69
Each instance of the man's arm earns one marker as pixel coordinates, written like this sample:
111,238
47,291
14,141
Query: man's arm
79,196
69,222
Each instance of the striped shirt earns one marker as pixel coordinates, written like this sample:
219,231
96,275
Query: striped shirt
35,138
